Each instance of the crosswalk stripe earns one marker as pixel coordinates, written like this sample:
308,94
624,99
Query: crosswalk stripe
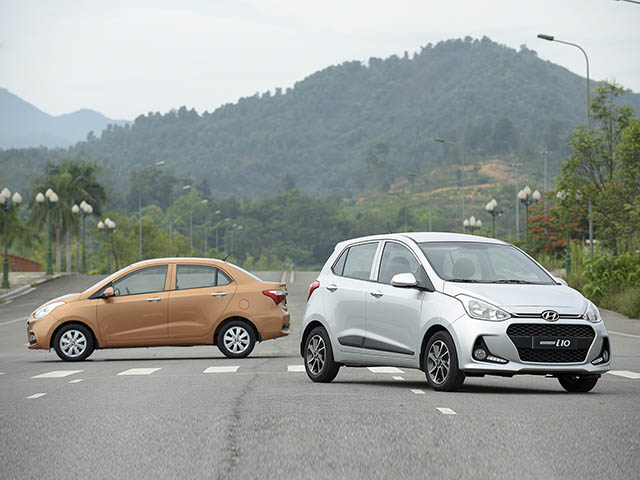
222,369
57,374
36,395
446,411
625,374
77,380
385,370
295,368
139,371
417,391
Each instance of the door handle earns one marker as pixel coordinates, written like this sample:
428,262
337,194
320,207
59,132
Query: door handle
154,299
376,294
218,294
332,287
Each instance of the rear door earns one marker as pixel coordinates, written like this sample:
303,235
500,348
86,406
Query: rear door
345,299
201,296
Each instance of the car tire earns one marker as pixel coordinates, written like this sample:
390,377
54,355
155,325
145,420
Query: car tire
73,343
236,339
318,357
441,363
577,383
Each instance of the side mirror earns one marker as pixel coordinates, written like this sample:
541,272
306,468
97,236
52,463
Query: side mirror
561,281
108,292
404,280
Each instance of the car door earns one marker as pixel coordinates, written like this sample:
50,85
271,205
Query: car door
137,314
201,296
345,299
393,321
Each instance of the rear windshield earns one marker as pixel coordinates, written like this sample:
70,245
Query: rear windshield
474,262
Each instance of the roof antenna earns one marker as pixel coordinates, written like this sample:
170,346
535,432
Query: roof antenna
225,258
389,228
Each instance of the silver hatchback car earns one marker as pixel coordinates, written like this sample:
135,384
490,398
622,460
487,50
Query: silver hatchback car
452,305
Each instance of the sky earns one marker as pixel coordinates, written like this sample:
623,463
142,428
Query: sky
126,58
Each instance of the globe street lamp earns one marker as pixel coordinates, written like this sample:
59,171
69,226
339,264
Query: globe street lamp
492,209
51,199
87,209
527,198
472,224
7,202
108,225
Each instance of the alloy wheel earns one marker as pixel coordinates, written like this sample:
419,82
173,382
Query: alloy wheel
438,362
73,343
316,354
236,339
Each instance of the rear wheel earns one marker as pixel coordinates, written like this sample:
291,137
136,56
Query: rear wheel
441,363
318,357
577,383
236,339
73,343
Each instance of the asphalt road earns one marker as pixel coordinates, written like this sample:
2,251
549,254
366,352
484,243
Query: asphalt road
264,421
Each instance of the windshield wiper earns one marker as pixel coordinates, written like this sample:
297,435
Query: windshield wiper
524,282
464,280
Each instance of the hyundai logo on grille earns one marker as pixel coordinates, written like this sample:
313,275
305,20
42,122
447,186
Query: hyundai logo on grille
550,315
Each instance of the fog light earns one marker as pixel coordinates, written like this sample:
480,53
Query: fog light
605,356
479,354
32,337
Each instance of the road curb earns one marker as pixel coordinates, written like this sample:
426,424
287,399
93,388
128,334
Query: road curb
27,288
46,279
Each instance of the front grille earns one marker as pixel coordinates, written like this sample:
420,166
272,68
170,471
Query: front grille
544,330
521,333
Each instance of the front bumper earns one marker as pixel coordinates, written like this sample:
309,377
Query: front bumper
467,330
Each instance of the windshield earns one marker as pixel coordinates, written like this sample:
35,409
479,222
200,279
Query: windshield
474,262
108,279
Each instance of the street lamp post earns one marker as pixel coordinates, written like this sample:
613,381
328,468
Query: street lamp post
87,209
461,147
561,196
217,212
52,198
551,38
527,198
492,209
108,225
157,164
515,175
7,202
206,227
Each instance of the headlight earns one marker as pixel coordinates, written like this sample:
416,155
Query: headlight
482,310
593,314
46,310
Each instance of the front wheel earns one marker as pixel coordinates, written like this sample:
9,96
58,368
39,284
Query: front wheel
577,383
73,343
318,357
236,339
441,363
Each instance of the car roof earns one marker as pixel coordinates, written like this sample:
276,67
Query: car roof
421,237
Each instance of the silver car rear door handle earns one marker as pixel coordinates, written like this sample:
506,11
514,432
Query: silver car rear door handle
376,294
218,294
154,299
332,287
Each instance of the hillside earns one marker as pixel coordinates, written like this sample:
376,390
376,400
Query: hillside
24,125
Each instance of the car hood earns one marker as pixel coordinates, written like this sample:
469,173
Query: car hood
514,298
68,298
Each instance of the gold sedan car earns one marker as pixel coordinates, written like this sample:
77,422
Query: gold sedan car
164,302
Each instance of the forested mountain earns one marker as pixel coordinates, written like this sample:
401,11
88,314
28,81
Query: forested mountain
24,125
357,127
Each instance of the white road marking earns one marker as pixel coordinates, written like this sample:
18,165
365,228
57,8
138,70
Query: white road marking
1,373
23,319
295,368
139,371
36,395
57,374
398,378
292,276
625,374
284,277
385,370
224,369
417,392
624,334
77,380
446,411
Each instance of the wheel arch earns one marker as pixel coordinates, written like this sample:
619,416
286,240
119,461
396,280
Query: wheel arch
312,324
74,322
231,319
425,339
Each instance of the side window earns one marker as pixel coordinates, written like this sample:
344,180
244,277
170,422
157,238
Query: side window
359,261
338,267
146,280
199,276
398,259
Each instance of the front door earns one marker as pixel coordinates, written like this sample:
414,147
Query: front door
137,314
199,301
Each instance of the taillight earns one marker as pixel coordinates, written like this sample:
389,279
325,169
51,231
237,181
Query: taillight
277,296
312,288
